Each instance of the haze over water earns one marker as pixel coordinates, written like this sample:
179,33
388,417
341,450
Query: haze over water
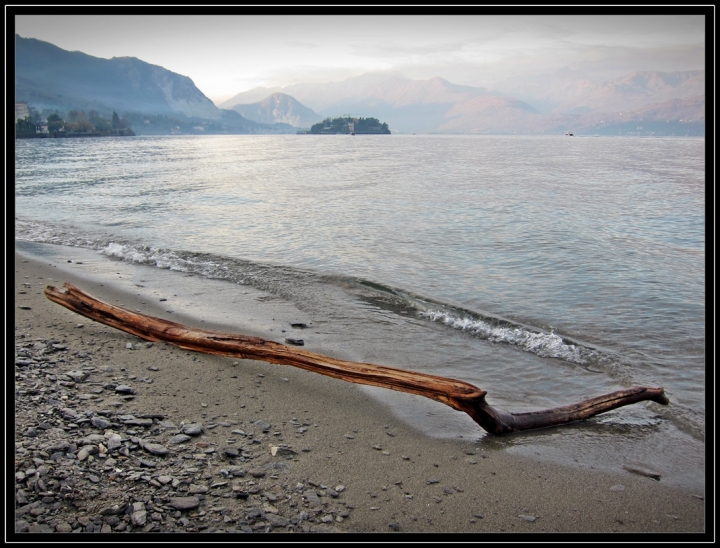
544,270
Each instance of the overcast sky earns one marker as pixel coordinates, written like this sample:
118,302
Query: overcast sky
225,55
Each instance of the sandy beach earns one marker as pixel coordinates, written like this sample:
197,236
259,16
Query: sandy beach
345,463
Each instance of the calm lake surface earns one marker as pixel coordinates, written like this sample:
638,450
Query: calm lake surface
544,270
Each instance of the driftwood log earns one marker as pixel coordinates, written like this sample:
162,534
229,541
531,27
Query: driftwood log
457,394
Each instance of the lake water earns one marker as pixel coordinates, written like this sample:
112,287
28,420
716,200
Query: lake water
544,270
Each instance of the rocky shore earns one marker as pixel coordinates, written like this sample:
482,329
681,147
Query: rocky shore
114,434
146,472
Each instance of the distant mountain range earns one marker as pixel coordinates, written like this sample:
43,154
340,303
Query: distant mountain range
155,99
655,102
158,100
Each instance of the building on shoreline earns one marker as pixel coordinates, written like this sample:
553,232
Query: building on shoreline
22,111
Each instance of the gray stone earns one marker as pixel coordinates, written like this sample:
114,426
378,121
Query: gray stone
179,438
139,518
77,376
312,498
86,451
231,452
276,521
193,429
236,471
43,470
69,414
114,442
40,528
21,497
99,422
26,509
139,422
184,503
124,389
155,448
93,439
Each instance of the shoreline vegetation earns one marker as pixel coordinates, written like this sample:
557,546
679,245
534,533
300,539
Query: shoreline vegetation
63,134
115,434
30,124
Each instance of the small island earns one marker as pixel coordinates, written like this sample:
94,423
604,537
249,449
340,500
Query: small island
349,125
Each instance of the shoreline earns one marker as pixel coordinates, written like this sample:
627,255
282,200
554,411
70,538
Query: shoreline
395,479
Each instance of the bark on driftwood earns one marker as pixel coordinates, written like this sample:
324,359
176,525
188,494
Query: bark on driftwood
457,394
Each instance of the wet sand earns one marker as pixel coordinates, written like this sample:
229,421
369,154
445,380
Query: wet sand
396,479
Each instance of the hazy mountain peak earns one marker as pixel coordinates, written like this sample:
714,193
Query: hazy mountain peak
50,77
279,108
250,96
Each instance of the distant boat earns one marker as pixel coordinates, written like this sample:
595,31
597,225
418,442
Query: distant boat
568,134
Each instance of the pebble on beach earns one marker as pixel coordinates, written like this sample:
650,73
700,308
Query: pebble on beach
139,472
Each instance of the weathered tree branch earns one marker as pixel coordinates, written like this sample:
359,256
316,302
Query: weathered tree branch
459,395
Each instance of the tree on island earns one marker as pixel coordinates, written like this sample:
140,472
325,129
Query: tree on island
55,122
24,125
348,124
78,122
27,124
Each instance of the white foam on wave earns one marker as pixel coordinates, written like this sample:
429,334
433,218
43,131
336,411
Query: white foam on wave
546,345
205,266
145,255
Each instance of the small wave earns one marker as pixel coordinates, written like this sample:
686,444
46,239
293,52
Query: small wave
205,265
546,345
